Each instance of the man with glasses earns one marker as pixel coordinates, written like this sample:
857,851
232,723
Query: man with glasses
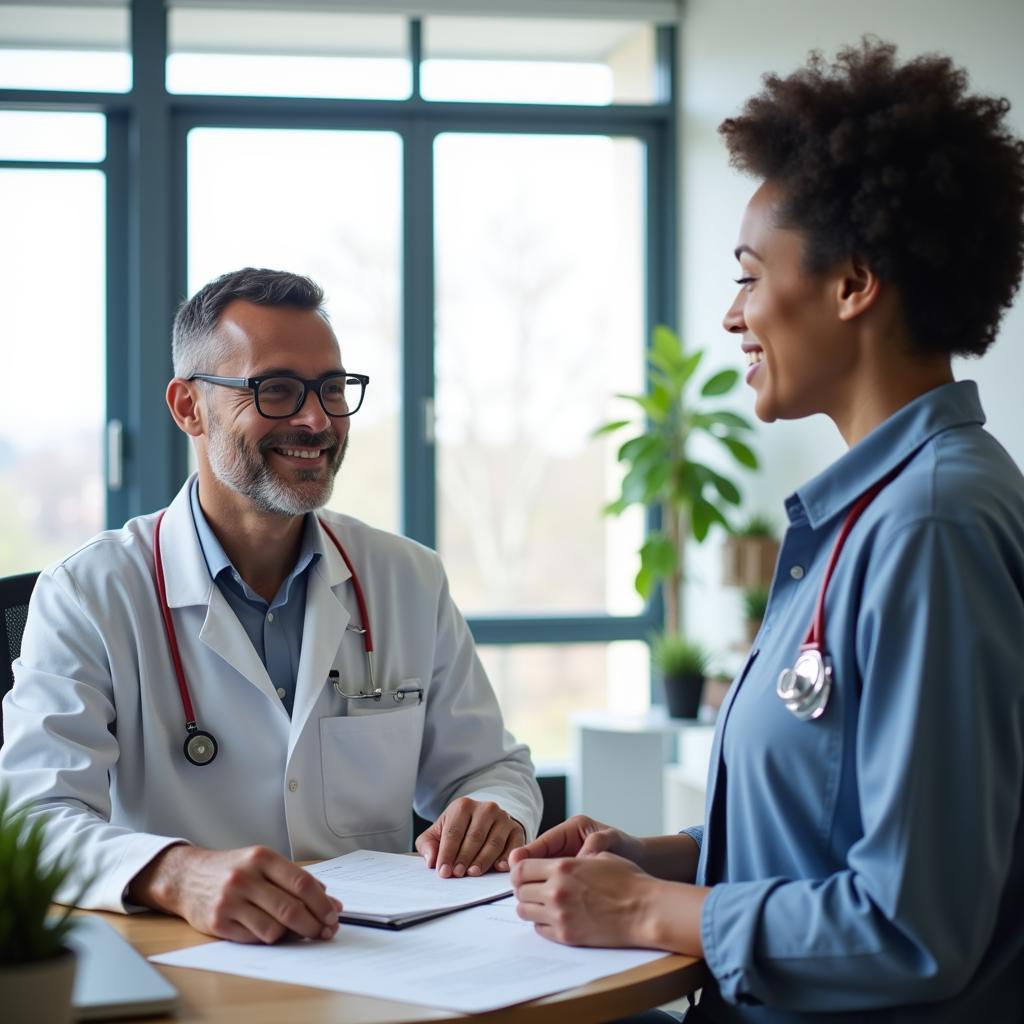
240,681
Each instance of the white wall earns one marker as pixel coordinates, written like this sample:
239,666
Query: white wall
725,47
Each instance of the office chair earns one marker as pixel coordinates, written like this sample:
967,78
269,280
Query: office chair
14,594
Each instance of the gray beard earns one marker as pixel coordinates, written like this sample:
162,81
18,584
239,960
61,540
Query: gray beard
244,468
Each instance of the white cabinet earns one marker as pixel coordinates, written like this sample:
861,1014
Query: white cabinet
644,774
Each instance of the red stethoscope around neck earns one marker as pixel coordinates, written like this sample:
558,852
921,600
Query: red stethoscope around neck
200,747
804,689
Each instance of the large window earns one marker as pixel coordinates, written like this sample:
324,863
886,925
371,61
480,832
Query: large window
539,322
326,204
52,325
488,204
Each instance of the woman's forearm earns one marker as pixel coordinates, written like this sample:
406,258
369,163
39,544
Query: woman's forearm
671,858
670,917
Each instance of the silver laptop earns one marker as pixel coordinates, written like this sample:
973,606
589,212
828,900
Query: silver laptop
112,979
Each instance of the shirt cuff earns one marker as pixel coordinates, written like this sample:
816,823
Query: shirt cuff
112,893
695,832
729,924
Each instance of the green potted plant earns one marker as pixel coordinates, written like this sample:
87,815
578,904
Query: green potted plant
661,470
755,604
37,969
682,664
749,554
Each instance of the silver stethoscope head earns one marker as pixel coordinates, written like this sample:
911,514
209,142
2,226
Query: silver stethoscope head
805,687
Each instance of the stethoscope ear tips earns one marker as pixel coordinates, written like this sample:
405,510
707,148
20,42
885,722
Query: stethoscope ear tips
200,748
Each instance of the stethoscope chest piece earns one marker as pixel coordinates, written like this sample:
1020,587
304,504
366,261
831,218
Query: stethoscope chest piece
805,687
200,747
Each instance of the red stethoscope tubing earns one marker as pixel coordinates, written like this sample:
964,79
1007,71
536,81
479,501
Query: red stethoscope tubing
172,639
815,639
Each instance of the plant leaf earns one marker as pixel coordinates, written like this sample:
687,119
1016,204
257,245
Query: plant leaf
740,452
640,449
721,383
730,420
611,427
655,411
658,555
667,346
702,516
689,367
643,584
726,488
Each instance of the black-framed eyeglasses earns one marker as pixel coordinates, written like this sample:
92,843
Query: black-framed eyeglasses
280,395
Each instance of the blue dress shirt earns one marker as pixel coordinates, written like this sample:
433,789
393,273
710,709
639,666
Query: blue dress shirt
869,865
275,629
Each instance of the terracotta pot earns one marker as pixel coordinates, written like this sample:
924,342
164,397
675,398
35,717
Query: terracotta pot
749,562
41,991
682,695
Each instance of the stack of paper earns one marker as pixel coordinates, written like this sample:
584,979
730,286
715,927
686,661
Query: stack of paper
393,890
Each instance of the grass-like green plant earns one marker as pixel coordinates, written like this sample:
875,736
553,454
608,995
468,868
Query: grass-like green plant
756,525
29,932
755,603
660,469
675,656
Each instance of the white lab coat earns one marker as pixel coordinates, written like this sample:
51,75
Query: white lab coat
94,725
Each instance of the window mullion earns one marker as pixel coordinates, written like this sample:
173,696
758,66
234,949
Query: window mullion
419,492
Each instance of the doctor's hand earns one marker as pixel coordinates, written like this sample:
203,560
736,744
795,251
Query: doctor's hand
599,900
470,838
247,895
581,836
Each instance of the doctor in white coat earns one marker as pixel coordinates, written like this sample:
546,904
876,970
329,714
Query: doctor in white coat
264,610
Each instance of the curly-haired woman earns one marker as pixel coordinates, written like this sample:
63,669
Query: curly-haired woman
862,856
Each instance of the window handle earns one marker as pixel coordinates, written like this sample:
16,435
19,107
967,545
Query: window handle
429,421
115,455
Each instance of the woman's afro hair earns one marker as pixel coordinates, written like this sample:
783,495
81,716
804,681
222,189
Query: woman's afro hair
897,165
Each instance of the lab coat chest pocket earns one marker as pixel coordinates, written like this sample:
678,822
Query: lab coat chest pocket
370,763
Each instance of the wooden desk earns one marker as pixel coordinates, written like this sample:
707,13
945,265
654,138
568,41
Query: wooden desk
226,999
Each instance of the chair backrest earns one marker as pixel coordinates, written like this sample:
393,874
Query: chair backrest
14,594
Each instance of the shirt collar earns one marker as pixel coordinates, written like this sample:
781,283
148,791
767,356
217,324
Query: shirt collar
902,434
217,560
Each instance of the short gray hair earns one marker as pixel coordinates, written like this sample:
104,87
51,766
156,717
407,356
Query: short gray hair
194,349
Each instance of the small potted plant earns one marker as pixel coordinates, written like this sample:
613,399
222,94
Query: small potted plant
749,554
37,969
755,604
682,664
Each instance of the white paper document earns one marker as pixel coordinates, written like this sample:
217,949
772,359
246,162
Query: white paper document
393,890
475,960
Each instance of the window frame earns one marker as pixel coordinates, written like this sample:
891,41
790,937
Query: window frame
145,168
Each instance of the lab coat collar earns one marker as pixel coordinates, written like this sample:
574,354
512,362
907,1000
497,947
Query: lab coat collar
186,573
323,631
323,628
898,438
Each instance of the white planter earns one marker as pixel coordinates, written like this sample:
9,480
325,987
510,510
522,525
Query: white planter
38,993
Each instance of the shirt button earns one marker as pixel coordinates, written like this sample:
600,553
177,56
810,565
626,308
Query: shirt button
797,572
270,616
293,785
280,692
